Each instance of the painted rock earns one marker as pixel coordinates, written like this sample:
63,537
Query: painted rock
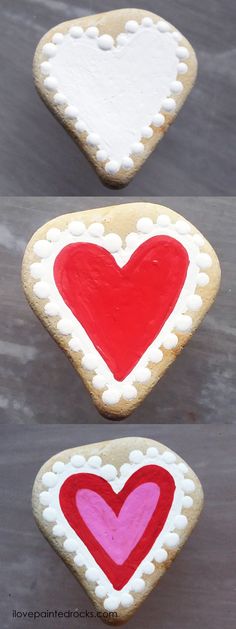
121,289
117,513
116,82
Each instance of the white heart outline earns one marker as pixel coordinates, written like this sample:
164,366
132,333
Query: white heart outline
68,325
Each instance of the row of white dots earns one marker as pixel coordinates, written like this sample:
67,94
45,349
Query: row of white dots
109,472
112,241
106,42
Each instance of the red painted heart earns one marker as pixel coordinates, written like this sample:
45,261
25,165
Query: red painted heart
124,308
119,529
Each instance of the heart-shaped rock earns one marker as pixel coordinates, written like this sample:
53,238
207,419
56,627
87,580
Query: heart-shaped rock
117,513
121,290
115,81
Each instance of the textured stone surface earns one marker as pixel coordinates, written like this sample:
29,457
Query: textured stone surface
197,155
37,381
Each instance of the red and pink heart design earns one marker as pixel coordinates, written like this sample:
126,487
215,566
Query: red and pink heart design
122,309
119,529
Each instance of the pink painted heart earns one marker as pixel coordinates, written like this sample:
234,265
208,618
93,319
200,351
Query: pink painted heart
118,534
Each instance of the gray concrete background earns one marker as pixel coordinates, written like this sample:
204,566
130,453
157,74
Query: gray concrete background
199,588
38,384
197,156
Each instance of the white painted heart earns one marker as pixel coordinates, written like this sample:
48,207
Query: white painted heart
116,94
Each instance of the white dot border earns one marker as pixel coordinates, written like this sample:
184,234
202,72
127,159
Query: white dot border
179,323
78,34
168,540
